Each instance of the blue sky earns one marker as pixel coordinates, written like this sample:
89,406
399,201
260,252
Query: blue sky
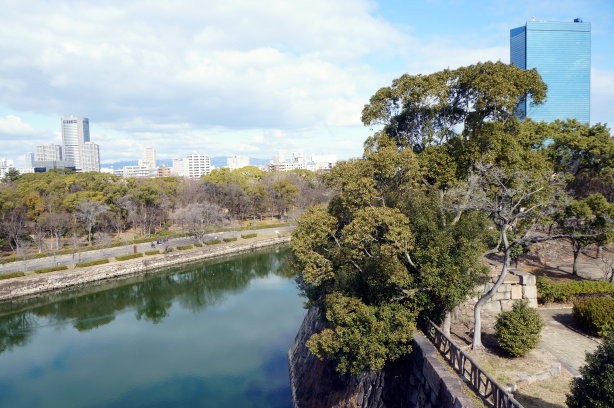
226,77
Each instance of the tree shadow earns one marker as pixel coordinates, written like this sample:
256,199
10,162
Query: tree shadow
534,402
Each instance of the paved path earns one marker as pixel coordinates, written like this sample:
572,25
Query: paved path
567,345
126,249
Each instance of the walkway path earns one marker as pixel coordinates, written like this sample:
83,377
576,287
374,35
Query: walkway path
123,250
558,338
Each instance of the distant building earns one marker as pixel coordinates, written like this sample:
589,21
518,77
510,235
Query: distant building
50,152
196,165
298,162
89,153
149,157
41,166
561,53
163,171
237,162
136,171
177,168
75,133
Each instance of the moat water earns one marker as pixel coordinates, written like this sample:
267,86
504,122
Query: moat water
213,334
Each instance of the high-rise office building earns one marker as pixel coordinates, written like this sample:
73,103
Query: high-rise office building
561,53
149,158
75,133
237,162
89,154
50,152
196,165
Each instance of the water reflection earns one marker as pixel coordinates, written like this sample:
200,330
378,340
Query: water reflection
194,287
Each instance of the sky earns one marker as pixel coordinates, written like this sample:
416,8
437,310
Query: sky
225,77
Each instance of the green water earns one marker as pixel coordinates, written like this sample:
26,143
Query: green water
208,335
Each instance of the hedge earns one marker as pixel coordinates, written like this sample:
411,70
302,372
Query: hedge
12,275
246,236
91,263
550,291
128,256
184,247
230,239
518,331
51,269
213,242
198,244
595,315
152,252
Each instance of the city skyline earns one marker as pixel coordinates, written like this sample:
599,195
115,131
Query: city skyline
275,80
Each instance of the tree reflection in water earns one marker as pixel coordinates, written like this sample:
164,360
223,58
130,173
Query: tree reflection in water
193,287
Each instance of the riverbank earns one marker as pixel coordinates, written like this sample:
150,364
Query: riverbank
30,286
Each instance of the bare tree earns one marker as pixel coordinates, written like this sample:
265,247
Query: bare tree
199,219
516,201
15,225
57,225
89,212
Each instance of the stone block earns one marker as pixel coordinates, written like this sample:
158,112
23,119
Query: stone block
493,306
501,296
511,279
516,292
507,305
527,278
529,292
532,303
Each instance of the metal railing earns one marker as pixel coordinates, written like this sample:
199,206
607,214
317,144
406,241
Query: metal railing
482,383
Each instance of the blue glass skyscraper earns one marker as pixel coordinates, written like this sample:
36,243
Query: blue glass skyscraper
561,53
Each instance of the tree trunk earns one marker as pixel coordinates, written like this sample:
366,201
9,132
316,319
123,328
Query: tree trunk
576,257
447,323
477,310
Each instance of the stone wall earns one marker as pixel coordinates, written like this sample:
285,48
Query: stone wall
33,285
517,286
420,380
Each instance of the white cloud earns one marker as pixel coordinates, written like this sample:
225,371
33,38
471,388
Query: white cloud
14,125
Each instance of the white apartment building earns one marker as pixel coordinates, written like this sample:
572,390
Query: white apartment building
75,133
149,157
89,156
196,165
50,152
137,171
177,168
237,162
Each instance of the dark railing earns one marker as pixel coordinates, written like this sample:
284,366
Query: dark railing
481,382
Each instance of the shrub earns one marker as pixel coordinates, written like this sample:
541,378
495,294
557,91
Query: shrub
595,315
128,256
51,269
230,239
198,245
12,275
595,389
213,242
152,252
550,291
184,247
518,331
247,236
91,263
169,249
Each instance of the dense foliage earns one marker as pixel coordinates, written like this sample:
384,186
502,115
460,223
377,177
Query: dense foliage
449,174
595,315
595,389
551,291
518,330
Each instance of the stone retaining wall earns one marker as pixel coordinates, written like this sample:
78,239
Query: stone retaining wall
33,285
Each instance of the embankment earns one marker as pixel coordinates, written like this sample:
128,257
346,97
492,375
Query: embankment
34,285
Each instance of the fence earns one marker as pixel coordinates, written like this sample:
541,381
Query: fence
481,382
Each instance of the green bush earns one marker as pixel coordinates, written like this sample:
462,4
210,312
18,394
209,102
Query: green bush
595,389
184,247
266,226
247,236
213,242
595,315
91,263
51,269
8,259
550,291
518,331
128,256
152,252
230,239
11,275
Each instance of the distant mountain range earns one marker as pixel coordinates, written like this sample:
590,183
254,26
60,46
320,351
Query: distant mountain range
217,162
